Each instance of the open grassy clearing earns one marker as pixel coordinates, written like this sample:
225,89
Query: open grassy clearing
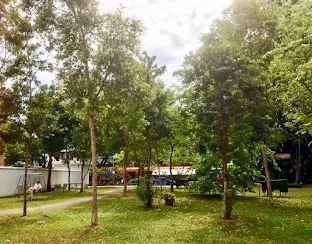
44,198
193,220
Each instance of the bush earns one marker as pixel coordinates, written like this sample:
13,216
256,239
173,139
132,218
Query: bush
133,182
146,192
241,174
169,199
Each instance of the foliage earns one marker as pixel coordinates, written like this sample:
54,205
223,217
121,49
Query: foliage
146,192
169,198
290,67
242,175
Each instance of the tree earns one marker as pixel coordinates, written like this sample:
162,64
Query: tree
7,111
216,76
80,146
56,127
14,32
91,48
251,27
125,118
290,66
181,137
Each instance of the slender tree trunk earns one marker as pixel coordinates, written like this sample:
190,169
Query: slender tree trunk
44,161
2,150
225,172
1,159
226,197
298,165
310,149
49,173
125,164
148,175
94,218
158,167
85,174
138,163
267,171
170,168
81,176
26,179
68,168
159,176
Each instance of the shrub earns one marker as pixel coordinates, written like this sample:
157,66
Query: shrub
169,199
133,181
146,191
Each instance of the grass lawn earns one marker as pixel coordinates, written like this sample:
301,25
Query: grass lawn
44,198
193,220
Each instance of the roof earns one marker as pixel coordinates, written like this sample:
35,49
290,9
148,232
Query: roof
282,156
163,170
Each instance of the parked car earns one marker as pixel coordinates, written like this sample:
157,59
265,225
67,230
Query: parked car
162,181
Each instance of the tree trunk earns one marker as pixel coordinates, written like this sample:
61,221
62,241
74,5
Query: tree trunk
170,164
148,175
125,163
49,173
226,197
267,171
158,167
159,176
81,176
26,179
2,150
94,218
139,170
298,166
44,161
225,172
68,168
1,159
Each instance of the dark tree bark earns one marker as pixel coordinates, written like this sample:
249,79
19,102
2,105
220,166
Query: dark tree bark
298,165
68,168
2,150
226,197
148,177
125,163
225,172
170,164
158,166
49,173
81,176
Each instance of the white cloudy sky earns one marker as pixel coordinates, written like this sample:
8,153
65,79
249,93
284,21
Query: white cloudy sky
173,26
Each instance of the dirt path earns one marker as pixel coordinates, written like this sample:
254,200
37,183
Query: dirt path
64,204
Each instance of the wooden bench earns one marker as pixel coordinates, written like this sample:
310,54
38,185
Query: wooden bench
276,184
179,183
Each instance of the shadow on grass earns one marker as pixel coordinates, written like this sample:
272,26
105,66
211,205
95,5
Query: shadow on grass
206,196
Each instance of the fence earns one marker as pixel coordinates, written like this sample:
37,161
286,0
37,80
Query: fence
10,176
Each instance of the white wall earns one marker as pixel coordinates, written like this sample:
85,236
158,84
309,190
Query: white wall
177,170
10,176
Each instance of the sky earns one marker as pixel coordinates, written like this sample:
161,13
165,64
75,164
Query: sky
173,27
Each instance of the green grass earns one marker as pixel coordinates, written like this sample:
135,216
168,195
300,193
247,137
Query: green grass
193,220
44,198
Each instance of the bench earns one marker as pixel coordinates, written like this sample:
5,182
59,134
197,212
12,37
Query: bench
281,185
57,187
181,183
73,186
